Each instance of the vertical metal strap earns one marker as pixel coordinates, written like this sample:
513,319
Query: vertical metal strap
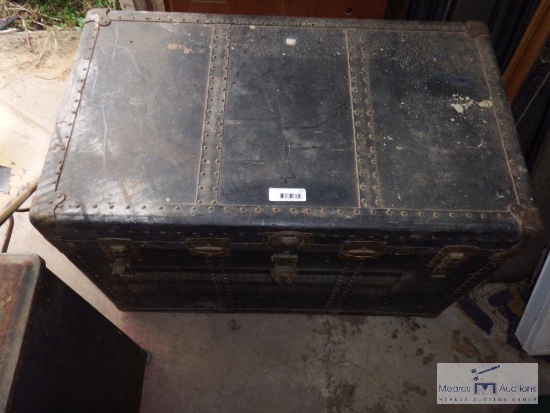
343,285
220,281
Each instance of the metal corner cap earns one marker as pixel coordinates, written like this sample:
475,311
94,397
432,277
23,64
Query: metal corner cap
477,28
100,16
528,219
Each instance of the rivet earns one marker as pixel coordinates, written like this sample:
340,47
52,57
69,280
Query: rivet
421,214
213,202
356,212
468,215
483,216
242,209
177,208
226,209
436,214
500,216
293,210
404,213
340,211
210,208
199,201
275,209
378,202
373,211
323,210
257,209
373,161
452,214
193,208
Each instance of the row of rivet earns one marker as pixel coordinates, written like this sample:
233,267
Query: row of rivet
209,171
64,127
369,182
322,211
359,103
321,23
373,161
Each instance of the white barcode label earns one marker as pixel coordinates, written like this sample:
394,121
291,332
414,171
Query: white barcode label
287,194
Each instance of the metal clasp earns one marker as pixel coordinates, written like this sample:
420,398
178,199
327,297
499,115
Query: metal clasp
287,239
120,251
362,250
209,247
450,258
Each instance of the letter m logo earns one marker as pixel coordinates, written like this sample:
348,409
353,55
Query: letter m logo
485,388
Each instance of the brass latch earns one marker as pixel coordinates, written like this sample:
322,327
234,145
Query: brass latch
362,250
120,251
450,258
284,268
209,247
288,239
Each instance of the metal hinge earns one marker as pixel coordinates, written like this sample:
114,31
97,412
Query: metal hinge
284,268
362,250
121,251
209,247
450,258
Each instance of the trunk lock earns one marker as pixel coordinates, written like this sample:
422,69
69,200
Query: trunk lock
284,268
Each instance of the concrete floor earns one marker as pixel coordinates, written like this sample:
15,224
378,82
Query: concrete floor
256,363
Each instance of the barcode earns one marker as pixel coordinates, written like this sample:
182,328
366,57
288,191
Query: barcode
291,196
287,194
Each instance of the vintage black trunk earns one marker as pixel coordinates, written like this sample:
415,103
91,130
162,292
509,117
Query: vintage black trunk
231,163
57,353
